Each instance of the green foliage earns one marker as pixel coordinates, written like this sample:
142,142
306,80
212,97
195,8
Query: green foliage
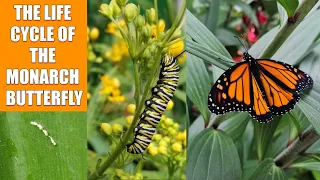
268,170
290,6
26,153
257,144
212,154
197,84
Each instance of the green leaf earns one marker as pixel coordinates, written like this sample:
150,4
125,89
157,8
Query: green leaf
180,95
309,103
196,127
268,170
300,40
225,36
198,84
212,16
263,133
203,44
212,154
307,163
26,153
235,125
290,6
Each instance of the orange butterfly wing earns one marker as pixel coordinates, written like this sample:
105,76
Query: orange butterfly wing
282,83
232,92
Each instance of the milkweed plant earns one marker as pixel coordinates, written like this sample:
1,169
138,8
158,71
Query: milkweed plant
234,145
143,39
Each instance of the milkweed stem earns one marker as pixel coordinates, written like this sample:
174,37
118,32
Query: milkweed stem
287,28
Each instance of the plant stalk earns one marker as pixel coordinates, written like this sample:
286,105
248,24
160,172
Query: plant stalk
286,157
288,27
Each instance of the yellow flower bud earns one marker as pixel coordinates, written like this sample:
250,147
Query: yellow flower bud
181,136
176,48
176,126
153,151
170,105
124,178
138,176
176,147
94,33
163,143
132,177
139,22
151,16
91,56
167,139
163,150
119,172
151,145
147,31
115,82
168,121
122,2
106,10
129,119
106,128
172,131
131,108
130,12
99,60
116,9
88,95
117,128
157,137
185,142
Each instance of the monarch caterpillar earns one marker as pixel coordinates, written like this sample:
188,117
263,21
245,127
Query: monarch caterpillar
156,105
263,87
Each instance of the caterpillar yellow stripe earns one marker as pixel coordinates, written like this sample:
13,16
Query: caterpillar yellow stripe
162,93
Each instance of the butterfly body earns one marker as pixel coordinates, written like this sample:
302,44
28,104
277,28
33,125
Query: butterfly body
262,87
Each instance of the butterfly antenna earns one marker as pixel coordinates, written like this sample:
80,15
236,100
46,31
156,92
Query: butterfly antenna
241,43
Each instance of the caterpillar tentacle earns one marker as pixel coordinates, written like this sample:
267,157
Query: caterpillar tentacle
162,93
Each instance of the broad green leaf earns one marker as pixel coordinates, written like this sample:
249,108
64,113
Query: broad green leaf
315,148
180,95
212,16
198,84
248,168
208,55
280,137
300,40
307,163
268,170
259,46
290,6
212,155
263,133
309,103
196,127
26,153
226,37
200,34
235,125
283,15
203,44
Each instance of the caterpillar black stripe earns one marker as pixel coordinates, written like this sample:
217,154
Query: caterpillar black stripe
162,93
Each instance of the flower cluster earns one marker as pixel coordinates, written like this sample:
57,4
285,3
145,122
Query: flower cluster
122,175
119,48
111,89
108,129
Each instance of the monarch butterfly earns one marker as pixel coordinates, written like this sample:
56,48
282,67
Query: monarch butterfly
263,87
156,105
